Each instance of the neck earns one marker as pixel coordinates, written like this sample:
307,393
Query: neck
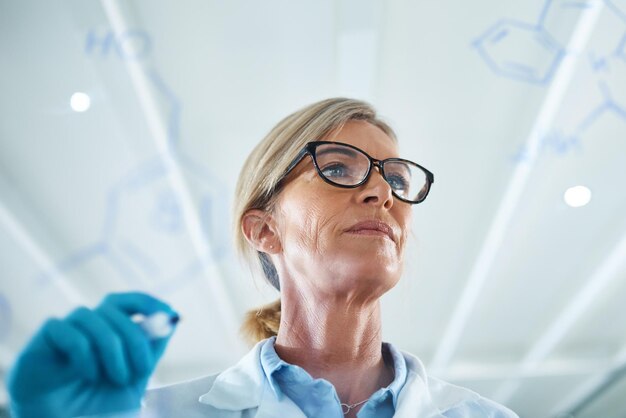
336,341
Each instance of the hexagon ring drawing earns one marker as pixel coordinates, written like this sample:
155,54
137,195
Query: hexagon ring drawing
520,51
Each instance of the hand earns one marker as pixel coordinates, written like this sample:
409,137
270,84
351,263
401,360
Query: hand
92,362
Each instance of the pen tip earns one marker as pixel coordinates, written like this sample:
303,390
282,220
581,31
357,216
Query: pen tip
174,319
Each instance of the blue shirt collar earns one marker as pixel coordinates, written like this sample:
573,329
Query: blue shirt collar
277,370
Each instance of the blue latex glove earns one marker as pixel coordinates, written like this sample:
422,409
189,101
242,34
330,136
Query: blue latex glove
92,362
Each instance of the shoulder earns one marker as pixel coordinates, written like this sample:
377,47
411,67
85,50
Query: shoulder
451,400
233,393
171,400
188,388
460,402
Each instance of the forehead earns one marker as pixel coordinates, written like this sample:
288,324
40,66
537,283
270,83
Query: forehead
367,137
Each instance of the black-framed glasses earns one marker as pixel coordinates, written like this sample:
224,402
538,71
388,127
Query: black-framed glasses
344,165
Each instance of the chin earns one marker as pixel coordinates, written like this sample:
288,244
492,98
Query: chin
373,268
383,258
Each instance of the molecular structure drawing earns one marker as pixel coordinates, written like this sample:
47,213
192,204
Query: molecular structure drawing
502,46
532,52
144,230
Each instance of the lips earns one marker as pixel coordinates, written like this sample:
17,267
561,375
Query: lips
372,227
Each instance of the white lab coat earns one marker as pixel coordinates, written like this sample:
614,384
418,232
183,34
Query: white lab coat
242,391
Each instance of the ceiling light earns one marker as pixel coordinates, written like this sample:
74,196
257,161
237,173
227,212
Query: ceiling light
80,102
577,196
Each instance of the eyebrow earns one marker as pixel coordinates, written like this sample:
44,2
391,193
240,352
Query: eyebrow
337,149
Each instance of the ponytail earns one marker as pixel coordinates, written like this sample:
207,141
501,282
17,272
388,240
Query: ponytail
261,323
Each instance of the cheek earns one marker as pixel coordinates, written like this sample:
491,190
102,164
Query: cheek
405,220
307,227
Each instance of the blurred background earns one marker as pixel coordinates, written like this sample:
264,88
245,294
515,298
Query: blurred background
125,125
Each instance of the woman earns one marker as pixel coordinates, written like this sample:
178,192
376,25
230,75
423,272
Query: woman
323,208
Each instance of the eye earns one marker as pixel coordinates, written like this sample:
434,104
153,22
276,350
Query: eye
335,170
398,183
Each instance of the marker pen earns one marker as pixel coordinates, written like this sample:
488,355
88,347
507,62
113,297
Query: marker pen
158,325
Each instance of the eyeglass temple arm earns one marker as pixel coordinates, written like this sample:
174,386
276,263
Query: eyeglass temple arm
296,160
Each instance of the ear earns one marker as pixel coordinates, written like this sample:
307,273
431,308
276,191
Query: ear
260,230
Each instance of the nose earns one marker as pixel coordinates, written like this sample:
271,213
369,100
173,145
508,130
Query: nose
376,191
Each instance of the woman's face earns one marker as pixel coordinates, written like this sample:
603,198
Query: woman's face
346,243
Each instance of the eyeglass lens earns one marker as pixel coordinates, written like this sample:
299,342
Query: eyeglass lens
348,167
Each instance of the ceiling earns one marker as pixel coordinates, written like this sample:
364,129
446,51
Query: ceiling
507,289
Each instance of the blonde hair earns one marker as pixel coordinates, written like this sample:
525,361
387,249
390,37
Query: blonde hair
257,187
